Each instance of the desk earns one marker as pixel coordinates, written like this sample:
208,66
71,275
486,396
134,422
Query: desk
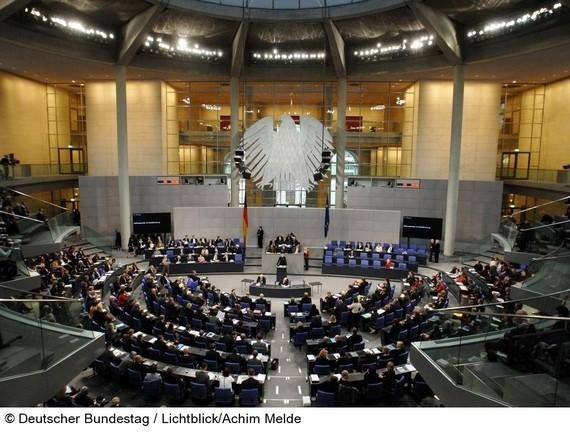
356,378
295,263
366,272
276,291
186,268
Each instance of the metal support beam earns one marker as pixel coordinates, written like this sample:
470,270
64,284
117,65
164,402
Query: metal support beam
438,23
238,49
10,7
336,47
135,30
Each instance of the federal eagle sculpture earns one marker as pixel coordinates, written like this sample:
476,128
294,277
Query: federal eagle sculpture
285,158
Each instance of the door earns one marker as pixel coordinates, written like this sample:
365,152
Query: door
515,165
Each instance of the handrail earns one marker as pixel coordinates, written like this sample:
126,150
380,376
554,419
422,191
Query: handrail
536,206
509,315
44,296
21,217
544,226
27,300
550,258
37,199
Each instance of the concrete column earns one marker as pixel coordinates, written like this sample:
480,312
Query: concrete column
454,161
235,138
340,144
123,156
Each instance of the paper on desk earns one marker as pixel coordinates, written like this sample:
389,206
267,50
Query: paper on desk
314,378
310,357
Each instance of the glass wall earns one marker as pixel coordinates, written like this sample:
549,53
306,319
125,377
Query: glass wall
379,125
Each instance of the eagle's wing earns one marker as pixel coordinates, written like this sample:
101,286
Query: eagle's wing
314,137
258,142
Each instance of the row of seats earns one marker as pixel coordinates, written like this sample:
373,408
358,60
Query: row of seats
396,248
374,256
377,264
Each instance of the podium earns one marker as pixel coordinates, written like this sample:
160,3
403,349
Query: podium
281,272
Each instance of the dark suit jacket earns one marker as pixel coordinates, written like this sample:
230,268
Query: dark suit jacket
250,383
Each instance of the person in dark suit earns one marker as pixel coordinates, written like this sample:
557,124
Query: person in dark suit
213,355
261,300
202,376
330,385
282,261
389,378
354,338
251,382
260,237
306,299
322,358
234,357
371,376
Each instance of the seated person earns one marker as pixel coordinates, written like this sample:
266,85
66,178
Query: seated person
322,358
271,247
251,382
306,298
261,299
285,283
371,376
225,380
354,338
330,385
389,264
261,280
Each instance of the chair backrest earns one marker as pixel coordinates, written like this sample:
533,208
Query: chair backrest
244,305
376,264
212,365
399,257
196,324
135,377
306,307
227,328
317,332
220,346
223,396
328,259
239,258
401,358
340,261
198,391
153,353
412,258
403,265
256,367
260,307
152,389
264,324
379,324
359,346
300,338
292,308
335,330
403,336
212,327
322,369
249,397
347,395
173,391
398,313
352,262
325,399
234,368
349,367
363,255
375,256
388,318
170,357
344,316
375,392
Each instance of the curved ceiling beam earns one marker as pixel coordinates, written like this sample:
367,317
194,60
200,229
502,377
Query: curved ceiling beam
238,48
10,7
336,47
134,31
258,14
443,28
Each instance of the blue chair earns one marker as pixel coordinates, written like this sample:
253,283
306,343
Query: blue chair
342,244
376,264
352,262
376,256
200,344
387,256
363,255
322,369
292,309
329,252
300,339
374,392
364,263
135,378
334,243
365,366
306,307
234,368
241,349
403,265
414,333
153,353
152,390
169,336
173,392
412,259
325,399
340,261
349,367
402,336
358,346
421,390
401,358
249,397
239,259
264,325
227,328
260,307
244,305
212,327
398,389
198,392
317,333
344,317
156,332
256,367
136,324
115,372
399,257
328,260
170,357
379,323
388,319
220,346
99,367
212,365
223,397
196,324
398,314
335,330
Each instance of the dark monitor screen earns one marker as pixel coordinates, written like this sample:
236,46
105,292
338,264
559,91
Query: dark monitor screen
422,227
149,223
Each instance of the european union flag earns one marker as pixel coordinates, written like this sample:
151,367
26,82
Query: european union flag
327,218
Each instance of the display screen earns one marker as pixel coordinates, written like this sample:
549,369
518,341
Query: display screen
422,227
149,223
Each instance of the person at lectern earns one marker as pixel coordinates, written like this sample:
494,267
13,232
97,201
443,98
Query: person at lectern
282,261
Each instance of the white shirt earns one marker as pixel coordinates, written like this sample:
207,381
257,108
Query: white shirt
225,382
355,308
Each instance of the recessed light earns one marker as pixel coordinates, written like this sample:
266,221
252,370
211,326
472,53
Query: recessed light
514,81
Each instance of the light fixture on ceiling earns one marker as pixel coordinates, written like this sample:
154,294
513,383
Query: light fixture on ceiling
182,46
288,57
383,49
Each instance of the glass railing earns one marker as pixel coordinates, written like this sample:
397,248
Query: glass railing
513,360
45,170
62,225
104,243
38,331
508,232
534,175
